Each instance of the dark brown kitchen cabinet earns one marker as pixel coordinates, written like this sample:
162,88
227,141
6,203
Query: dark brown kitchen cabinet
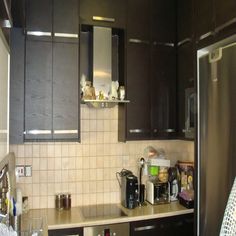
65,91
109,13
163,21
225,18
66,232
17,44
163,91
39,15
138,24
184,20
51,91
65,20
38,90
138,91
204,22
175,226
48,19
185,80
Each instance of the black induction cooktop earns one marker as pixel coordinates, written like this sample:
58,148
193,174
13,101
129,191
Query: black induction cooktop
102,211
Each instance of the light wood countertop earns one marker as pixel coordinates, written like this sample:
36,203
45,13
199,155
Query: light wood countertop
54,219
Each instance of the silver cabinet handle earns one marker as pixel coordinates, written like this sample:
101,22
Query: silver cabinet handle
72,235
206,35
155,131
138,131
187,40
223,26
164,44
39,33
65,35
138,41
149,227
37,131
69,131
101,18
170,130
184,130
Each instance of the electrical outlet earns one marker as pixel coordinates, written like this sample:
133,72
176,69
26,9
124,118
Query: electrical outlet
20,170
28,171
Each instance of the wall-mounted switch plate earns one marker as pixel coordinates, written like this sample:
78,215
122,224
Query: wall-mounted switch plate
20,170
28,171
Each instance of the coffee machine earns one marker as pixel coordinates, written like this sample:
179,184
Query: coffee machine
129,189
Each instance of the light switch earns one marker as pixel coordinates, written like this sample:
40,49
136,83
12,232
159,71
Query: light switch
28,171
20,170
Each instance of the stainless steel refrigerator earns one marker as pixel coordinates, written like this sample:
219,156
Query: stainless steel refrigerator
216,133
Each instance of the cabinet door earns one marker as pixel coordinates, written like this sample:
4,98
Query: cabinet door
225,13
138,91
38,90
138,25
204,19
113,12
17,86
39,15
66,20
143,228
65,91
163,21
163,85
185,80
184,19
66,232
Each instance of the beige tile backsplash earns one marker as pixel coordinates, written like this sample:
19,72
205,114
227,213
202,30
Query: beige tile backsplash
87,169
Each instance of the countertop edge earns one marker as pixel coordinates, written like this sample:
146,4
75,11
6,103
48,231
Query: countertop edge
119,220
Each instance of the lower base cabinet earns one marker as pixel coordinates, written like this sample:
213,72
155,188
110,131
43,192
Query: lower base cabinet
181,225
66,232
169,226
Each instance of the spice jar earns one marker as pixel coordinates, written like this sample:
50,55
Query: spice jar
59,201
67,201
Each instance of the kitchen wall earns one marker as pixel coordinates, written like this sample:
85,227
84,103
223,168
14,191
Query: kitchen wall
87,169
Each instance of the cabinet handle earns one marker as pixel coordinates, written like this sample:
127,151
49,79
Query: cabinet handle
37,131
39,33
164,44
65,35
149,227
138,41
184,130
155,131
170,130
187,40
223,26
206,35
69,131
101,18
138,131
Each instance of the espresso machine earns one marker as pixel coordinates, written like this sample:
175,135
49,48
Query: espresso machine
129,188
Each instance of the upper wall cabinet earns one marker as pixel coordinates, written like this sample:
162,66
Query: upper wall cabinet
103,12
65,20
225,14
204,19
214,20
184,20
52,20
45,90
39,15
163,21
138,24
